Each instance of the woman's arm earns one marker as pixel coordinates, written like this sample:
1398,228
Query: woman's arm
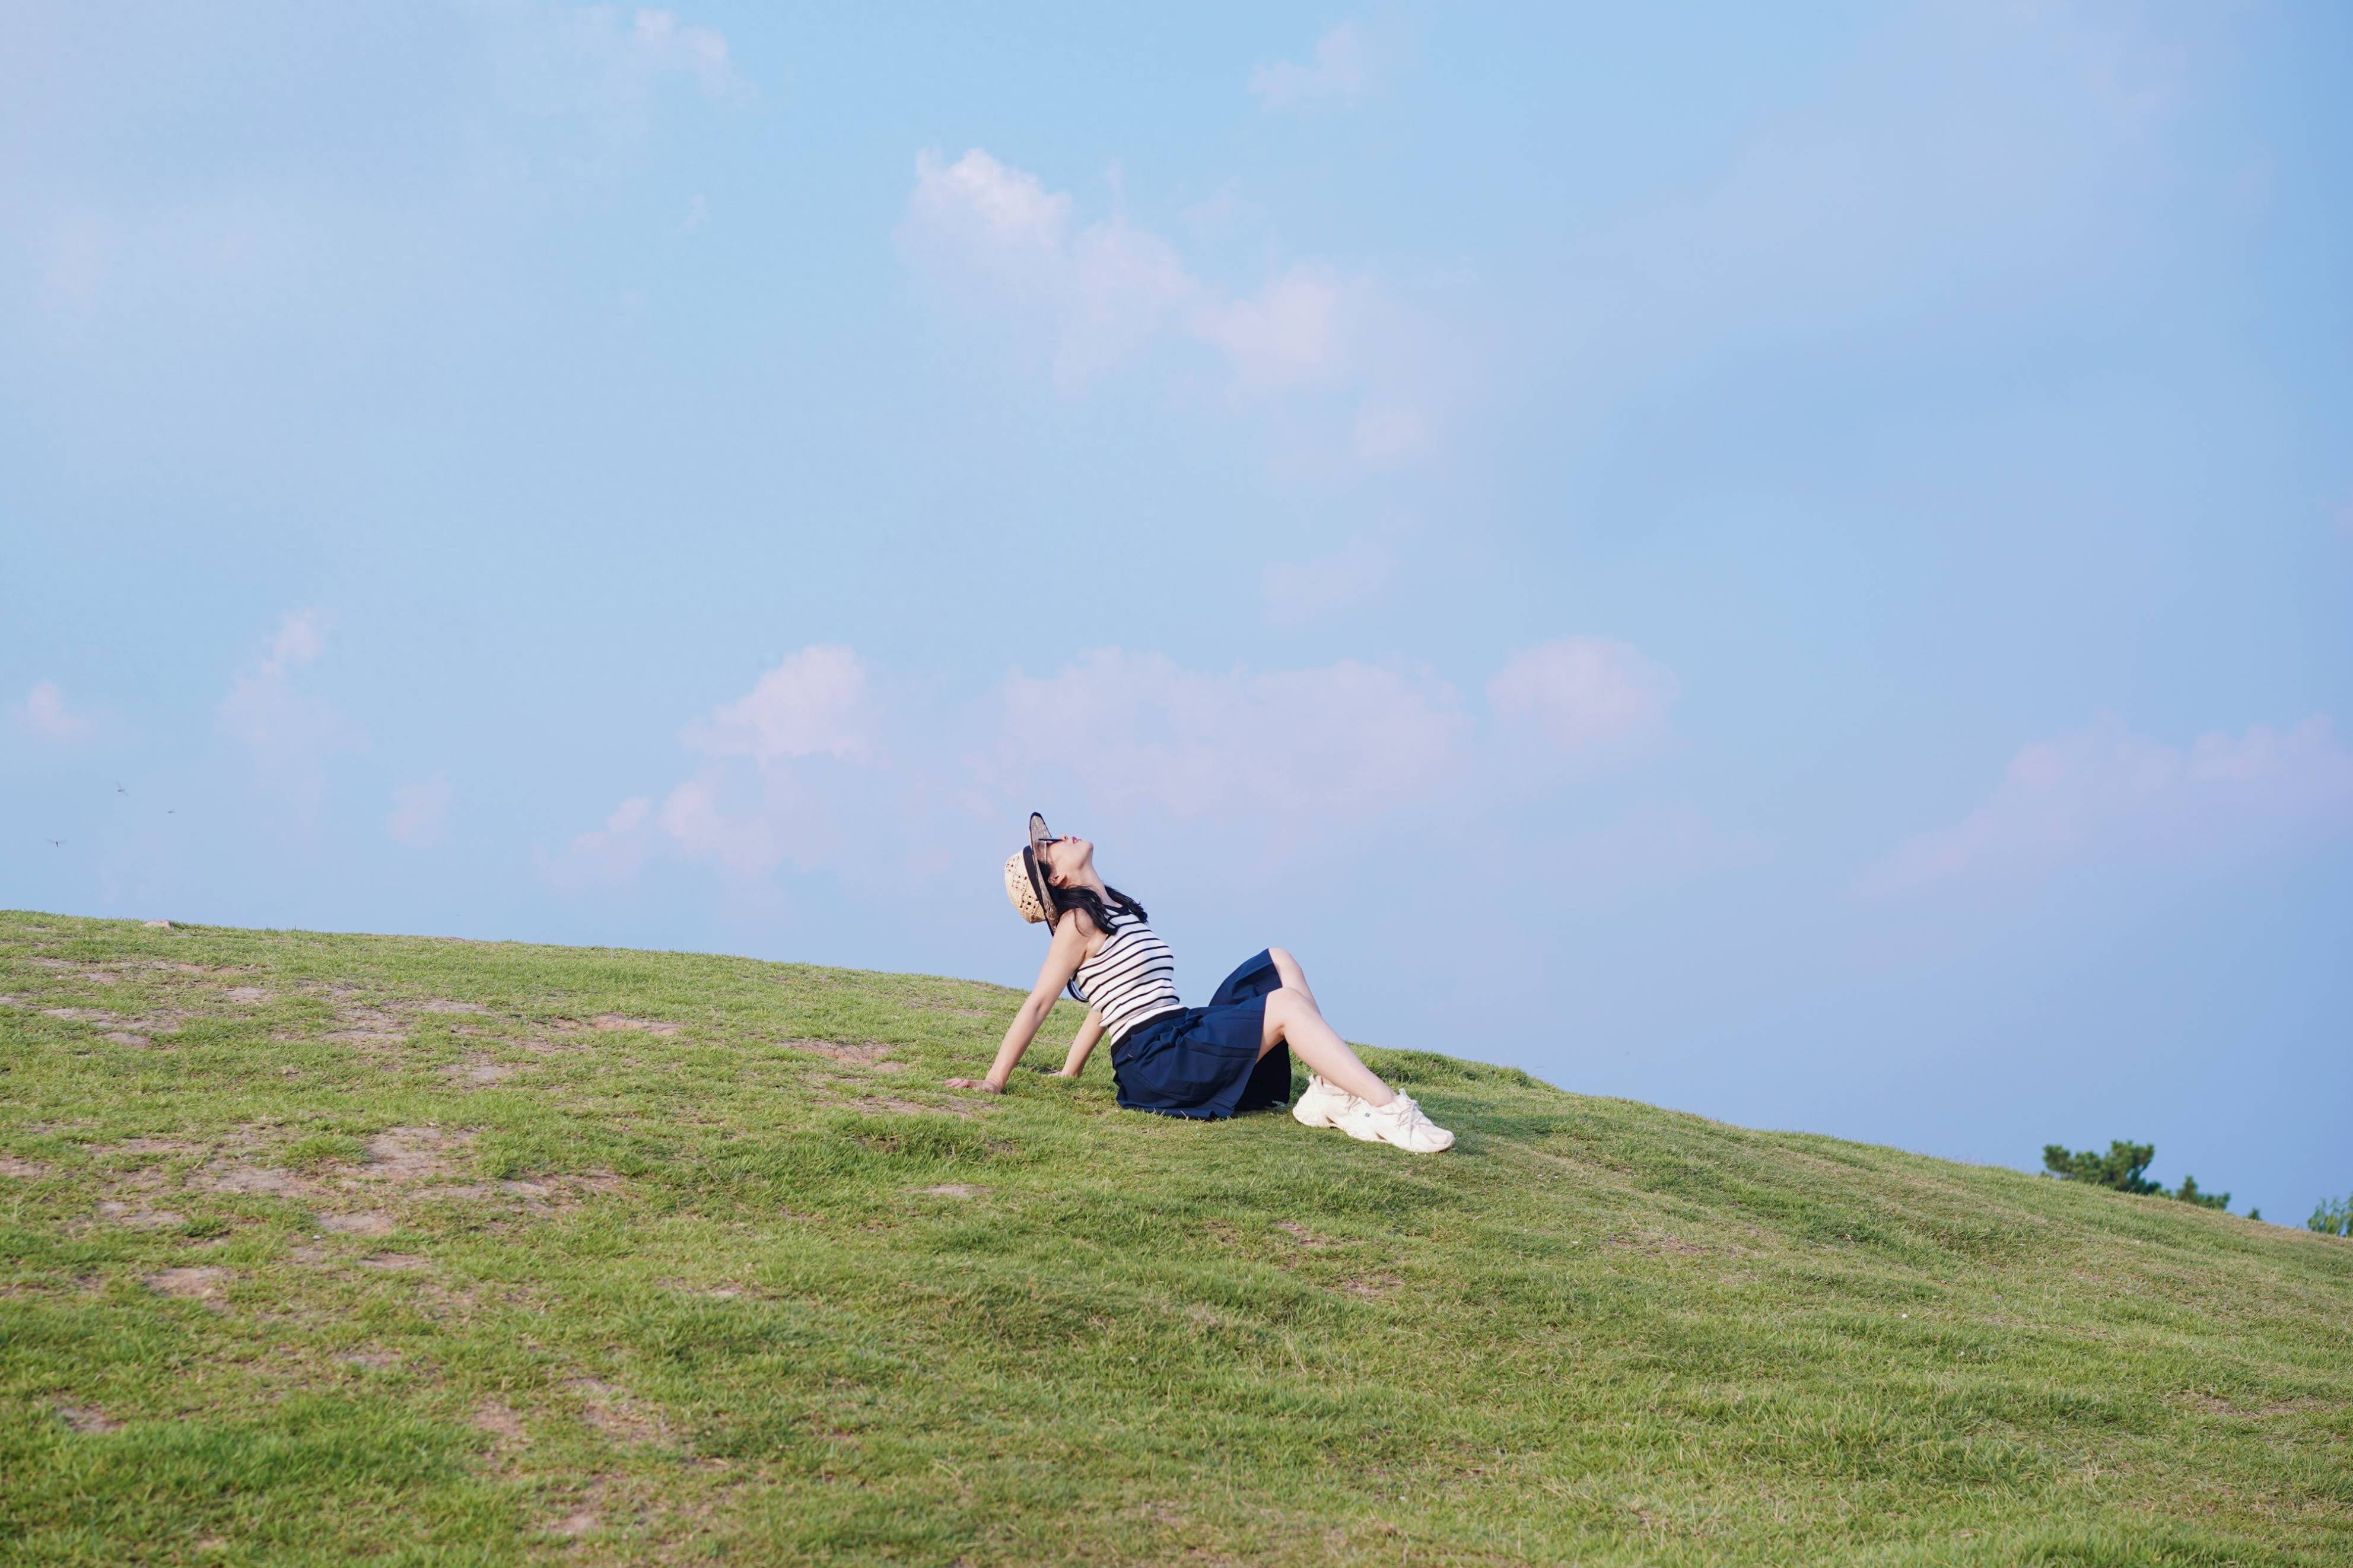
1068,951
1081,1044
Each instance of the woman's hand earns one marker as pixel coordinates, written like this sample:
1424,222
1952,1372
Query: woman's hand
981,1084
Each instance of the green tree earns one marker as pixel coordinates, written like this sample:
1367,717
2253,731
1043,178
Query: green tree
2121,1167
2189,1193
2333,1217
2124,1167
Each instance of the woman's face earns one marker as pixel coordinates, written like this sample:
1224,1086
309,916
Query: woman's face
1065,860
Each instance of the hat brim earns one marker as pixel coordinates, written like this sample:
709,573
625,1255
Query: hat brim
1038,839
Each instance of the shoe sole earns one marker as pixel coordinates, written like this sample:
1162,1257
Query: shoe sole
1375,1137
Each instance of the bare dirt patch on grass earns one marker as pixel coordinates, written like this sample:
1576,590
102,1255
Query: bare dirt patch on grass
868,1054
260,1181
611,1410
95,973
152,1146
613,1023
130,1029
578,1522
395,1262
500,1422
478,1070
366,1027
202,1284
538,1196
955,1190
139,1218
1302,1234
86,1418
412,1153
366,1222
23,1169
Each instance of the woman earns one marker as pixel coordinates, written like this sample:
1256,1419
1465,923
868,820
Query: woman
1233,1056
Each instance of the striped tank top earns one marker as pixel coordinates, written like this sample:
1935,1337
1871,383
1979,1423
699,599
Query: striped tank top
1132,978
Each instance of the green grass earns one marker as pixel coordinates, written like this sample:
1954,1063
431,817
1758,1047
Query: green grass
315,1248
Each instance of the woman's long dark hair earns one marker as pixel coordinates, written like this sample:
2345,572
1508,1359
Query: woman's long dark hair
1097,905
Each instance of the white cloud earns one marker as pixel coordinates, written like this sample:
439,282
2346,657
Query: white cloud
1293,333
1301,590
1584,694
1342,70
44,712
753,803
1288,747
997,239
599,71
288,732
747,830
814,703
659,44
610,854
1103,290
420,812
2103,788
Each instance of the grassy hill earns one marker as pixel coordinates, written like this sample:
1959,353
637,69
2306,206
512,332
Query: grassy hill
321,1247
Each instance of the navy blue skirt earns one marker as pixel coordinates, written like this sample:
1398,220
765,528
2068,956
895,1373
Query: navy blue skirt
1203,1062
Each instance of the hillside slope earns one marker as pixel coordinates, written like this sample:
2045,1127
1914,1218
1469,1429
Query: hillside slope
315,1247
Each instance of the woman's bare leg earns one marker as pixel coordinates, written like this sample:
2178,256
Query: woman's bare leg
1292,1020
1293,977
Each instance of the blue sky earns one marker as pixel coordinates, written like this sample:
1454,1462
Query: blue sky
1790,562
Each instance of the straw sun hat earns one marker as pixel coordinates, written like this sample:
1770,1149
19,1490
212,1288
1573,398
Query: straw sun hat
1025,879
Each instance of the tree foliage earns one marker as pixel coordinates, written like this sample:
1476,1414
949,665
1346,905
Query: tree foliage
2124,1167
2189,1193
2333,1217
2121,1167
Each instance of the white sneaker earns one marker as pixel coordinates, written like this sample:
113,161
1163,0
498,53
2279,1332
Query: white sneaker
1400,1122
1324,1104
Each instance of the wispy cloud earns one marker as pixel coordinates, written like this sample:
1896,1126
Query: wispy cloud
1345,741
995,239
2103,789
815,703
420,812
1341,69
1584,695
795,772
608,853
751,804
44,713
604,64
288,731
